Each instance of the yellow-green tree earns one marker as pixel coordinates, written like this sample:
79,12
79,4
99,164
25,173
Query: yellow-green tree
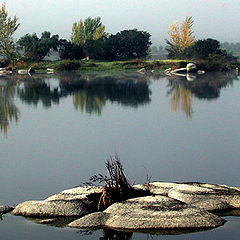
8,26
181,38
90,28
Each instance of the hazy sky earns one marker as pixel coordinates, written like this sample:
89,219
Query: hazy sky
217,19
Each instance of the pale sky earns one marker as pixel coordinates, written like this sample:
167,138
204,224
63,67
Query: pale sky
218,19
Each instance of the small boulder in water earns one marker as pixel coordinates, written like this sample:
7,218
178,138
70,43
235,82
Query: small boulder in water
5,209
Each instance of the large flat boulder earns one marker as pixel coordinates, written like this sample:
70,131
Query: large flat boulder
55,208
76,193
151,212
203,195
157,188
207,196
72,202
171,206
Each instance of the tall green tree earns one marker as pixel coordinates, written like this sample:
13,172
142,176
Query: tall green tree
89,29
8,26
69,50
97,49
129,44
203,48
181,38
34,48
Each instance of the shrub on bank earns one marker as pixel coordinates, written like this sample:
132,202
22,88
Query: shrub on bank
68,65
217,62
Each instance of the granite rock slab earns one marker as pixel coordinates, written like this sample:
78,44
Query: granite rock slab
151,212
72,202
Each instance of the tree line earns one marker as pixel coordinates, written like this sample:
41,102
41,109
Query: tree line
89,39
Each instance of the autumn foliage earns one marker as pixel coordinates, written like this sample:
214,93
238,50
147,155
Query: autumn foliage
181,38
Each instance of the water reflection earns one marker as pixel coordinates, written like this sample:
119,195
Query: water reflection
37,90
90,92
109,234
106,233
207,87
181,97
8,110
89,102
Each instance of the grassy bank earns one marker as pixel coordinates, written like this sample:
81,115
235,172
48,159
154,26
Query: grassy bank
92,65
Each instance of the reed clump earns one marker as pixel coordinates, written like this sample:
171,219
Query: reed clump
116,185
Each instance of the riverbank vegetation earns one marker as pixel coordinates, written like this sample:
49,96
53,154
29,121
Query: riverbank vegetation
214,63
207,53
91,48
97,65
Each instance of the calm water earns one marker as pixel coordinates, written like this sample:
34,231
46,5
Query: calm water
57,131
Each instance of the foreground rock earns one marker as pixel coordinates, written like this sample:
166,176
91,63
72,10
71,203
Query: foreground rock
5,209
205,196
152,212
73,202
171,206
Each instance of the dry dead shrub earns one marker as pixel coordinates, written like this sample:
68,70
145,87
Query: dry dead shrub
116,186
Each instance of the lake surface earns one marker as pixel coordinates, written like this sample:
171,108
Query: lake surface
56,131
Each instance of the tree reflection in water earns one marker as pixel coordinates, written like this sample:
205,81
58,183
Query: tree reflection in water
92,97
181,97
88,102
205,87
90,92
8,110
36,90
109,234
